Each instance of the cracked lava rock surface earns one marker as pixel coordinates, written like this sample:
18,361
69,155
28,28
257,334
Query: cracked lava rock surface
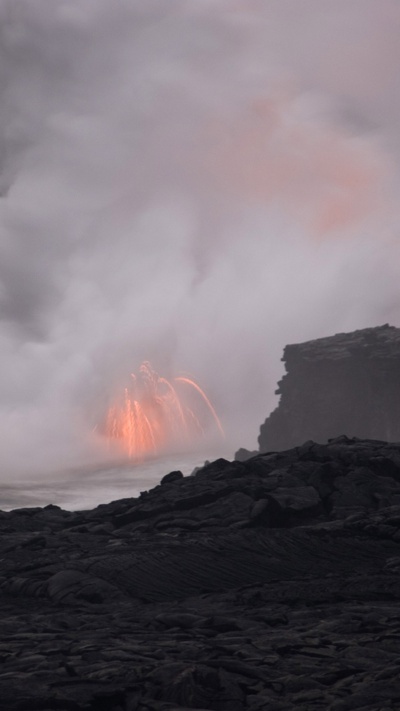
270,584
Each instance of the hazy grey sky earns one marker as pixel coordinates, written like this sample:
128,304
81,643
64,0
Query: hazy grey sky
194,182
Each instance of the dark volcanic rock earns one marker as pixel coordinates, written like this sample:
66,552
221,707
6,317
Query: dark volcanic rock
348,383
268,584
242,454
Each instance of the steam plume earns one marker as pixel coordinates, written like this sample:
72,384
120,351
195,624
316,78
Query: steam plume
193,183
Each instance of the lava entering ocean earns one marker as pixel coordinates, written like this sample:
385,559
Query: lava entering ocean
155,414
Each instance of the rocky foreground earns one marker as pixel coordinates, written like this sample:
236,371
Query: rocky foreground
271,584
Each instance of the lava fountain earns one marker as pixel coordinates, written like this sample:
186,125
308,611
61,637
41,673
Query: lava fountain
155,414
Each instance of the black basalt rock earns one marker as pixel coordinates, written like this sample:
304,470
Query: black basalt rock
342,386
171,477
267,584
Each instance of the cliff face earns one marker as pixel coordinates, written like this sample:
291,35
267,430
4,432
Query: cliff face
345,384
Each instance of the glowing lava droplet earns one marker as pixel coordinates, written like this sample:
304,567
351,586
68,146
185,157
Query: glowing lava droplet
155,414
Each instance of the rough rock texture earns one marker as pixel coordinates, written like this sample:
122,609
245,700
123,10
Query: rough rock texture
348,383
268,585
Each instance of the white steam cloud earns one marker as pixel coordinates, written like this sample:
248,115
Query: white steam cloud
193,182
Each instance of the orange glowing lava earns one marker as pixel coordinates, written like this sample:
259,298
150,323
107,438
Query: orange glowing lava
156,414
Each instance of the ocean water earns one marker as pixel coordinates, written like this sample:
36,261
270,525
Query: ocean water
87,487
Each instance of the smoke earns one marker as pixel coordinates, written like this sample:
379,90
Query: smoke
190,182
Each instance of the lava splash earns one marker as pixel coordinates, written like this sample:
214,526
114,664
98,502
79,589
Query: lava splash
155,414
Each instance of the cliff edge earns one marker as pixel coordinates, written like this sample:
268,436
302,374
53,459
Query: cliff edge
348,384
